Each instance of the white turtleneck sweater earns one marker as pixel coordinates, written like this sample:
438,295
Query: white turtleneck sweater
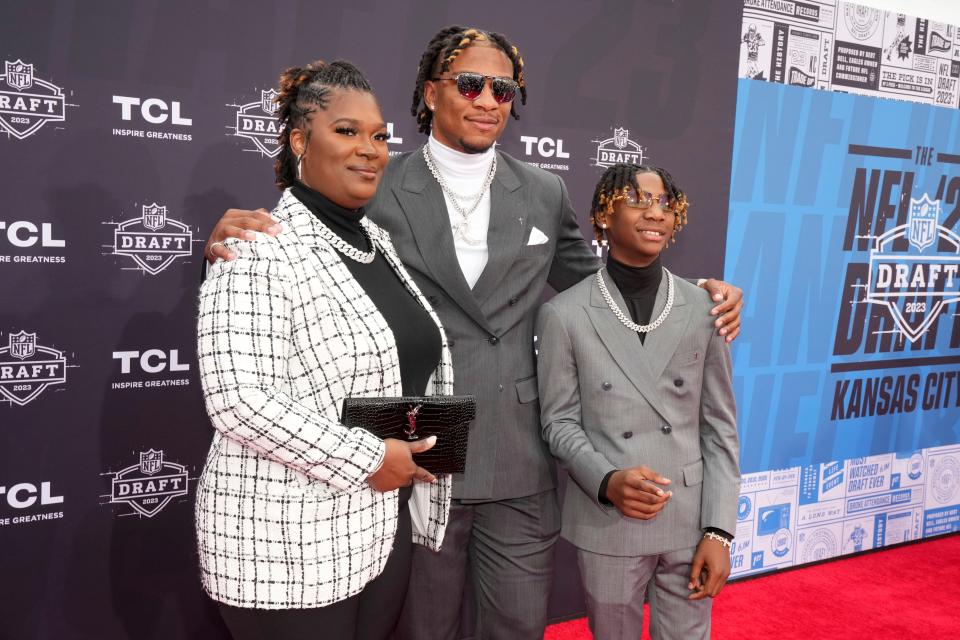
465,174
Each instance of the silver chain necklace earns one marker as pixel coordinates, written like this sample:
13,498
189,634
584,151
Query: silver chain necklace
347,249
625,319
462,228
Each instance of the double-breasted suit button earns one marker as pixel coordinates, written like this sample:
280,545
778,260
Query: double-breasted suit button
513,301
493,340
666,429
500,388
627,435
606,386
678,382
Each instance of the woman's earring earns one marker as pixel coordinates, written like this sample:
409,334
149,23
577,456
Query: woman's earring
300,167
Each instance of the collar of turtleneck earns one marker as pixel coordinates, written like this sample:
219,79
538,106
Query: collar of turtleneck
636,282
342,221
459,165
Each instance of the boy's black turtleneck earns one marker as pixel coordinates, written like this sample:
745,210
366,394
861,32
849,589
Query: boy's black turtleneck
416,335
638,286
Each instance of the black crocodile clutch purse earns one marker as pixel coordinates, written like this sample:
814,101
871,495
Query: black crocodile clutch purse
415,418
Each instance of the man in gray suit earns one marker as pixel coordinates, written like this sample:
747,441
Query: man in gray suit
482,233
637,403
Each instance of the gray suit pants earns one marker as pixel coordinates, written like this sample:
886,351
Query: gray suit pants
615,586
509,547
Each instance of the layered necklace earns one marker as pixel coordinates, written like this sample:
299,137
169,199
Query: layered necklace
462,228
624,318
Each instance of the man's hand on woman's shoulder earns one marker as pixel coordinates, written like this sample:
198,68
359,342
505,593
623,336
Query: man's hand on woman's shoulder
237,223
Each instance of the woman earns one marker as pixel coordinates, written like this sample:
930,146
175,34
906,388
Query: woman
637,403
302,530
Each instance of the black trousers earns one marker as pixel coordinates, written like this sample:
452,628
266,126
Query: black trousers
369,615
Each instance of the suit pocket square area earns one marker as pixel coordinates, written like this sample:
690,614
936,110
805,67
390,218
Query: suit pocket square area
536,237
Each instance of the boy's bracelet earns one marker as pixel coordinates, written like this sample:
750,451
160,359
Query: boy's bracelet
719,538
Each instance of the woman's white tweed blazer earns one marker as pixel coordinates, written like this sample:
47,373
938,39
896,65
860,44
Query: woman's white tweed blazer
285,517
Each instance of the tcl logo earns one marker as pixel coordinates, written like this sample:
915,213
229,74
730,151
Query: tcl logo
151,360
153,110
23,233
24,495
546,147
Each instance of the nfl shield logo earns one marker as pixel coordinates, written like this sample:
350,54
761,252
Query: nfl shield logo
620,137
154,216
266,101
151,462
23,345
922,223
19,75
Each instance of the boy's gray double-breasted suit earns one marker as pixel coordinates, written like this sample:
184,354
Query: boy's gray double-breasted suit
609,402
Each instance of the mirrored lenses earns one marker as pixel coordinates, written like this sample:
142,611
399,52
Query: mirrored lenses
470,86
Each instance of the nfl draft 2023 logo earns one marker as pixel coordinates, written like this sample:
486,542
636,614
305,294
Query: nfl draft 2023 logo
153,240
28,368
148,486
916,284
257,123
619,148
27,102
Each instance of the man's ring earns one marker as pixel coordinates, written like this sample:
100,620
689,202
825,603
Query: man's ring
215,244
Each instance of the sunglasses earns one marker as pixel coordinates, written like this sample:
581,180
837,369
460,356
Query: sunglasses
645,200
470,85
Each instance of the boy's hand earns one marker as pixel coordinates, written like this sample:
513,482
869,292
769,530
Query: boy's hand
710,569
634,492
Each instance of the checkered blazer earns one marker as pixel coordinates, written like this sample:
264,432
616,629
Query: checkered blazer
285,517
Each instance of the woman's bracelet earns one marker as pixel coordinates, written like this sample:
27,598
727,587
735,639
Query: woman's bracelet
719,538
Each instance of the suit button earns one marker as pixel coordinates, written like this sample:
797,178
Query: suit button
678,382
606,386
432,299
500,388
450,343
627,435
666,429
493,340
513,301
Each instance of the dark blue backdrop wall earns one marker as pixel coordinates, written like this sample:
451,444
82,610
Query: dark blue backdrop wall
129,127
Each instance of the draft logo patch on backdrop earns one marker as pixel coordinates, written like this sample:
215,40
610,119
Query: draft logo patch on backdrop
28,368
619,148
257,123
916,284
153,241
27,102
150,485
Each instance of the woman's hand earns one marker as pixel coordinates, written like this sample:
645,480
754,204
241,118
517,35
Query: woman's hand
237,223
398,468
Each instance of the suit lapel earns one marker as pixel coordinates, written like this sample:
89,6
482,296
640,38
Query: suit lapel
662,342
622,343
422,203
505,234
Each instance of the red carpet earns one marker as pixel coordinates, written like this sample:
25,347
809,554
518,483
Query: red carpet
905,592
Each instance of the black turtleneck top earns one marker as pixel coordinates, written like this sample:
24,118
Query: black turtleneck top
638,286
416,335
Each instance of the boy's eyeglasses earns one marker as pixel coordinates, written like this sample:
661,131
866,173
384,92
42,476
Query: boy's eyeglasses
645,200
470,85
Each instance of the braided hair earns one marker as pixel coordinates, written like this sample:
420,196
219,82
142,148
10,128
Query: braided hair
443,49
303,91
617,181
